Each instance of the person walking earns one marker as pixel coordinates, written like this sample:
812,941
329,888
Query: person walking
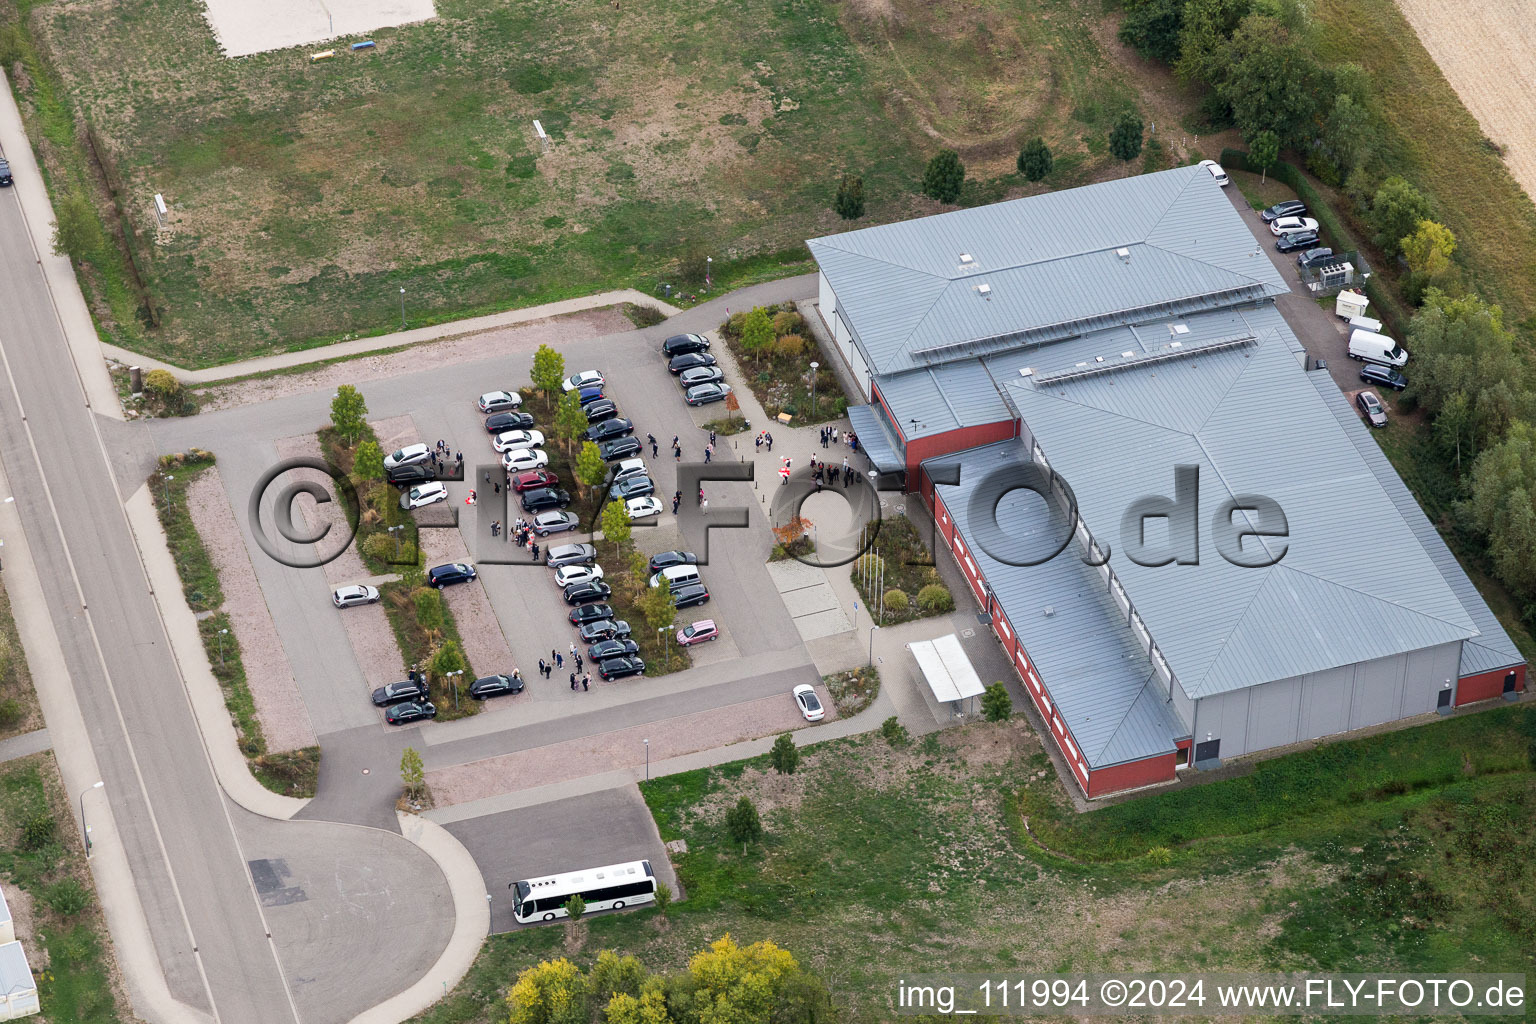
700,499
757,442
655,451
677,499
709,451
487,478
458,459
768,439
674,440
711,438
542,666
677,454
783,475
650,439
559,659
573,680
704,504
586,681
578,663
535,551
498,486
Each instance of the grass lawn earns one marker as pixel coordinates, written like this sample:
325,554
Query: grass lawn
1403,851
19,712
305,195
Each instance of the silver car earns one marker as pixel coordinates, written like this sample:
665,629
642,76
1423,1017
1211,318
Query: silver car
570,554
556,520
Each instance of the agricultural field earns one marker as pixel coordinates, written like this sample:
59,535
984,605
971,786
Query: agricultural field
305,195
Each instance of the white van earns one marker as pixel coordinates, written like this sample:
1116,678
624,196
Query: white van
1365,323
676,576
1216,172
1370,347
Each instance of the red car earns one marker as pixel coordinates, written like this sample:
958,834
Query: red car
534,478
698,632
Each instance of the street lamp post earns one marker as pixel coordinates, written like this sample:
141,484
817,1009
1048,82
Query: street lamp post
709,266
221,646
85,830
395,530
165,480
872,628
402,307
449,677
814,365
647,760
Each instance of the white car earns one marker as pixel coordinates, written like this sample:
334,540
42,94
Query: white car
510,439
407,456
584,379
517,460
500,401
569,574
355,593
1283,225
643,508
1216,172
423,495
808,703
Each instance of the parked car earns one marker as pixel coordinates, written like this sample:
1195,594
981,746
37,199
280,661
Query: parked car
643,508
569,554
609,430
533,478
611,649
624,665
410,455
500,401
585,593
510,439
1216,172
1370,405
602,409
689,360
619,448
423,495
667,559
516,460
604,629
555,521
698,632
587,396
676,576
1296,240
1318,257
706,393
1289,208
585,613
411,711
690,595
637,486
701,375
405,476
495,686
545,498
504,421
1383,376
808,703
355,593
681,344
569,575
441,576
584,379
5,173
396,693
626,469
1285,225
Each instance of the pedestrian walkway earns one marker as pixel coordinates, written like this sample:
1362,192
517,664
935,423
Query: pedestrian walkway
24,745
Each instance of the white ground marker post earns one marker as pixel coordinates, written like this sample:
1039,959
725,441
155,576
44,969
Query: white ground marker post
538,129
161,213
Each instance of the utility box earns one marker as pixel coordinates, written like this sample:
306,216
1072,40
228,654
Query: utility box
1349,305
18,989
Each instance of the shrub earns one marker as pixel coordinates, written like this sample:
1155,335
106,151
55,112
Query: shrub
785,756
849,203
732,327
944,176
787,321
1035,160
935,597
869,564
11,713
663,897
789,346
896,600
996,705
643,315
38,831
742,822
163,385
1159,855
67,897
894,732
1125,136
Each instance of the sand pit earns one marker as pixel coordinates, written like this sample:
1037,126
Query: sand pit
244,27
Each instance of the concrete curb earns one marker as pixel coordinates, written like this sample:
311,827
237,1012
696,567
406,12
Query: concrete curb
472,923
207,700
363,346
115,887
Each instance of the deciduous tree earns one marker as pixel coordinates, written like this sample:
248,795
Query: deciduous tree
1503,505
368,461
1152,28
349,412
553,992
591,470
614,520
548,370
412,773
1396,210
570,420
1428,250
1264,150
757,335
1349,134
76,230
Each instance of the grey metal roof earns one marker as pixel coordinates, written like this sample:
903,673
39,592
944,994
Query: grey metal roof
943,398
1253,424
874,442
1051,264
1085,654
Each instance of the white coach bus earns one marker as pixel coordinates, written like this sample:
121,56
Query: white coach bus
609,888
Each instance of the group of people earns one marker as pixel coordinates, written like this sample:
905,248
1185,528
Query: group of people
557,661
442,455
763,438
521,534
821,472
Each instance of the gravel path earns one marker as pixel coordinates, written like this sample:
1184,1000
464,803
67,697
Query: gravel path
555,331
622,748
284,719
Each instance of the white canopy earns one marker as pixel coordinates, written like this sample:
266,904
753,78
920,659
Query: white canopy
947,669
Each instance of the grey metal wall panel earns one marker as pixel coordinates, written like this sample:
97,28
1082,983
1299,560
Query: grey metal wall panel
1326,698
1183,707
1224,716
1378,691
1274,714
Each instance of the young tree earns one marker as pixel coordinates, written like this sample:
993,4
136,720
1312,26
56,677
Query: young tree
1125,136
429,611
792,531
615,523
570,420
1428,250
548,370
368,461
591,470
553,992
575,907
448,658
76,230
757,332
349,413
849,203
742,822
744,983
1264,150
658,606
944,176
663,897
996,705
784,755
1396,210
412,773
1035,159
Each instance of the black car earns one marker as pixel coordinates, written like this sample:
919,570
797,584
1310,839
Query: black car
1293,240
622,448
591,590
1316,257
411,711
633,487
618,668
586,613
1289,208
408,476
396,693
604,629
681,344
609,429
690,360
545,498
690,595
508,421
667,559
1385,376
442,576
495,686
5,172
604,649
602,409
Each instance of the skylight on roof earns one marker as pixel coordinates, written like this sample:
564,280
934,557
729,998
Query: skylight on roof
984,289
966,258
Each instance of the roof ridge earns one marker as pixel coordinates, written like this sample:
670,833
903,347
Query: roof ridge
1189,183
1379,599
1129,708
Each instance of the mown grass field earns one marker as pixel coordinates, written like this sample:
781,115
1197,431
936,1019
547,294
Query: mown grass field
306,195
1404,851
